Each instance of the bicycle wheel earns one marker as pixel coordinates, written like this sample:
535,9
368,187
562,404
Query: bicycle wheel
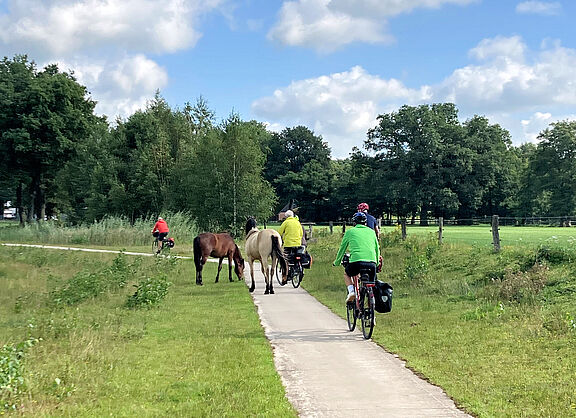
155,246
297,275
367,309
278,274
351,315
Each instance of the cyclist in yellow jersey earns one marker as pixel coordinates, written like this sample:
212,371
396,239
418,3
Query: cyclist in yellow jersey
291,232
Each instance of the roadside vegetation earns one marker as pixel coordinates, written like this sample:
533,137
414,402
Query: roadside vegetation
101,334
496,331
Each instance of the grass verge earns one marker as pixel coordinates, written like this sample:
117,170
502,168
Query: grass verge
493,330
199,352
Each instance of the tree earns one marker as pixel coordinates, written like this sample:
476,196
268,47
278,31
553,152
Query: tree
298,165
552,169
43,116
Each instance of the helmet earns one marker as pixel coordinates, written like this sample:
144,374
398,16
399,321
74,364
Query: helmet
359,218
363,207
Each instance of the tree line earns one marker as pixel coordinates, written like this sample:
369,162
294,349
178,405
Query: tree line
59,159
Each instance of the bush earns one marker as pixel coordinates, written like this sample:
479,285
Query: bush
524,286
149,292
12,384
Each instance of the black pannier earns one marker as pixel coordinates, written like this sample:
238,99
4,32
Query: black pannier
305,257
383,297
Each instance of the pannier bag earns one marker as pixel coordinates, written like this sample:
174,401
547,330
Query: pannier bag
383,297
305,257
170,242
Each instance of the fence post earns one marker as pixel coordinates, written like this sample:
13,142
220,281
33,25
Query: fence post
440,229
310,230
331,226
343,227
495,233
403,224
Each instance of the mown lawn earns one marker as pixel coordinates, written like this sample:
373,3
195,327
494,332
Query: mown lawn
496,334
200,352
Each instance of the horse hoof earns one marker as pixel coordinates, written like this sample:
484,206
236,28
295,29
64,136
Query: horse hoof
271,292
267,292
199,283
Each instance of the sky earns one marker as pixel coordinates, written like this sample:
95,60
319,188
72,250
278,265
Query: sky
330,65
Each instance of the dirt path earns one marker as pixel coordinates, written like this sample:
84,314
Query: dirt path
331,372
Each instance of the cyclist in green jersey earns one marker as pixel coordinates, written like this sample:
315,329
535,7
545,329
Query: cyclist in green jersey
364,250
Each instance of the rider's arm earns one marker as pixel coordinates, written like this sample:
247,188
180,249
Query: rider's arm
341,250
282,229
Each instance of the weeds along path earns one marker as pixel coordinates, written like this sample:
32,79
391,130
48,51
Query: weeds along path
330,372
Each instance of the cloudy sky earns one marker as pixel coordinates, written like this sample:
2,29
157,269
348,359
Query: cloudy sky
331,65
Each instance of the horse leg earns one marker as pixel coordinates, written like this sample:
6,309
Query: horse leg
253,286
199,271
219,268
271,273
264,264
230,267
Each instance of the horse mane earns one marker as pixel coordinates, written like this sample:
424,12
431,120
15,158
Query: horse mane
250,224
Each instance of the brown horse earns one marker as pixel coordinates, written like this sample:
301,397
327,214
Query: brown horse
217,246
259,246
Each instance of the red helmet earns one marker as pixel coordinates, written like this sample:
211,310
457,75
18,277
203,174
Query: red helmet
363,206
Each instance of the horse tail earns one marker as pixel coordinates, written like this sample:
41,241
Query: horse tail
277,249
197,253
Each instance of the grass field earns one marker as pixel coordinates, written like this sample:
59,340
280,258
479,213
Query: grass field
497,333
200,352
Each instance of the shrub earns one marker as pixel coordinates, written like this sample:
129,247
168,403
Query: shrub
149,292
524,286
12,384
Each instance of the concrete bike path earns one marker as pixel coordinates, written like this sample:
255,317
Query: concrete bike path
329,371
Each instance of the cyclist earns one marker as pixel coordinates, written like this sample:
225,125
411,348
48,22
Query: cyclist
160,229
364,250
371,221
291,232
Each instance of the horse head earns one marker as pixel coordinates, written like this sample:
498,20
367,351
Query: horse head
250,225
238,263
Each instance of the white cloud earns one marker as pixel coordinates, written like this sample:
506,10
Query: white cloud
112,35
61,27
539,7
327,25
121,87
522,90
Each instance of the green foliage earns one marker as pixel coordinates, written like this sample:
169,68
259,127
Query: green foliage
12,382
150,291
88,284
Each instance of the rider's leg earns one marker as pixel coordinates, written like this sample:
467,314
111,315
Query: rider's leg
350,286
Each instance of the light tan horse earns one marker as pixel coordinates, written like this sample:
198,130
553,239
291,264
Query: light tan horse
259,246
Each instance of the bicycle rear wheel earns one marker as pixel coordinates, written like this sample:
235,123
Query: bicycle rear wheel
367,309
351,315
297,275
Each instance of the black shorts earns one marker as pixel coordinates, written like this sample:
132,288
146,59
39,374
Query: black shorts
353,269
160,235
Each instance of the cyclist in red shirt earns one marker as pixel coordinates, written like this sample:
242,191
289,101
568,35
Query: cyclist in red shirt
160,229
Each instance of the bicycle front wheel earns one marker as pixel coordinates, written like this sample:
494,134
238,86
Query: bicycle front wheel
155,246
367,309
351,315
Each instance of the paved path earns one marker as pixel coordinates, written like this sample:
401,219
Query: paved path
331,372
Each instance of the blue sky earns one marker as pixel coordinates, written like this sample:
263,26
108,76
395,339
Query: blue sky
331,65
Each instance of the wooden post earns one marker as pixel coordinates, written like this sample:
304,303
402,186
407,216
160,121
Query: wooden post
343,227
440,229
331,226
403,224
310,231
495,233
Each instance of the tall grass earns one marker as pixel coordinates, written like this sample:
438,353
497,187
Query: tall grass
111,231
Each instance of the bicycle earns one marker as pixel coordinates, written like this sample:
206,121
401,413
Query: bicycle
295,269
167,243
363,305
